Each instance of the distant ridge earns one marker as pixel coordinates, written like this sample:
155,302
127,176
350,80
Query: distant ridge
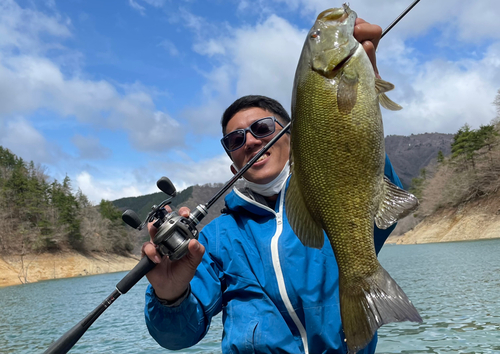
410,154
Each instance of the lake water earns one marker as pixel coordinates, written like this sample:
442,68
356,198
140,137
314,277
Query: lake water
455,287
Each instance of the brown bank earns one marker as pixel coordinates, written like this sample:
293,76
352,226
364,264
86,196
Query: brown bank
16,270
478,220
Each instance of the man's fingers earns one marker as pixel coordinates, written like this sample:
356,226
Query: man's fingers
368,35
149,249
184,211
196,251
365,31
370,51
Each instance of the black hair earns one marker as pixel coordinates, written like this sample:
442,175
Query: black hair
252,101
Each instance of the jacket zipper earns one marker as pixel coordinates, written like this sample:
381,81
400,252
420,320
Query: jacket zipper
277,264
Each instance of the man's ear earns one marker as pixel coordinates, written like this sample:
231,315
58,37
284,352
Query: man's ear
233,169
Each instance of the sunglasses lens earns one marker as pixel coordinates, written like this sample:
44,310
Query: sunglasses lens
234,140
260,129
263,127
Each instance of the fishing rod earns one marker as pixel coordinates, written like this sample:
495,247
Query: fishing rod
403,14
172,238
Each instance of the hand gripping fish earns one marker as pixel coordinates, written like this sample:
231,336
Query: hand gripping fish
338,183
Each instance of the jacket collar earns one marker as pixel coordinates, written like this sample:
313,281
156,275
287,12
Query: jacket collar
245,200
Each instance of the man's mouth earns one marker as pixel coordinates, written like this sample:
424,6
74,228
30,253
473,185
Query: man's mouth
263,157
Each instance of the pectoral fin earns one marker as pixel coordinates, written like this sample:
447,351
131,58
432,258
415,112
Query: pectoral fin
396,204
381,87
303,224
347,93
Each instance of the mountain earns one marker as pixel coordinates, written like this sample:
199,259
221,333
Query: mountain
410,154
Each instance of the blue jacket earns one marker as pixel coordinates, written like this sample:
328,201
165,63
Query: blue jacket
277,296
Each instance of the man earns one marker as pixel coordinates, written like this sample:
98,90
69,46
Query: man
277,296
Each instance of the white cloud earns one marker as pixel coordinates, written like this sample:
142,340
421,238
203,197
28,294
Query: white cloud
21,29
97,189
209,48
255,60
29,81
470,21
188,173
133,4
22,139
446,95
438,94
115,184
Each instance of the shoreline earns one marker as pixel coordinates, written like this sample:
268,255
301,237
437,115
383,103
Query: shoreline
400,240
31,268
478,220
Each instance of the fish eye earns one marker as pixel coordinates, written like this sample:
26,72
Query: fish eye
315,34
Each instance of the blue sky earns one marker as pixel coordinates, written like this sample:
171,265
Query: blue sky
116,94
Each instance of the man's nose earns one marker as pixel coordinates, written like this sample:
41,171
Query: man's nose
251,140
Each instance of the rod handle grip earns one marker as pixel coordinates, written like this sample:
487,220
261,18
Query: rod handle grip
136,274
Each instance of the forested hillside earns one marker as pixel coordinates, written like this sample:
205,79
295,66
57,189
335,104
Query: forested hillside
472,170
469,176
37,215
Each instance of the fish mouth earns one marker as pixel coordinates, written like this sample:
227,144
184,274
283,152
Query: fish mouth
336,14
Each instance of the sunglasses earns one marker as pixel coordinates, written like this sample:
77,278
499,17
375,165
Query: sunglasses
259,129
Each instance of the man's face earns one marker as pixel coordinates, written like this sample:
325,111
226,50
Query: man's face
269,166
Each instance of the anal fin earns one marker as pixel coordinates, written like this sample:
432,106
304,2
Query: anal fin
396,204
303,224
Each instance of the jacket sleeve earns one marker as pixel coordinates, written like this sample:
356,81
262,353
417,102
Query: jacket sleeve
182,326
381,235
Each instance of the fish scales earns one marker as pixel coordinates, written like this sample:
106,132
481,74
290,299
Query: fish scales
350,140
337,183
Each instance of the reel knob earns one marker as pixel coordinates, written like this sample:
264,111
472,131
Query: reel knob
166,186
131,219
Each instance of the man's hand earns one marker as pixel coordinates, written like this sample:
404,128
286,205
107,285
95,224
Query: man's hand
369,36
171,279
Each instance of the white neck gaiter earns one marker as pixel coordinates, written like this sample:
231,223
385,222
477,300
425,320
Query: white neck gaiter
271,188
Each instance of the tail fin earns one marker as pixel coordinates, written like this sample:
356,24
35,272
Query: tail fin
370,303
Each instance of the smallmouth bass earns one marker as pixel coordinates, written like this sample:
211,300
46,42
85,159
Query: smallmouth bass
337,162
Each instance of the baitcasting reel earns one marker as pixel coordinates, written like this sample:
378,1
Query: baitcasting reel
174,231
